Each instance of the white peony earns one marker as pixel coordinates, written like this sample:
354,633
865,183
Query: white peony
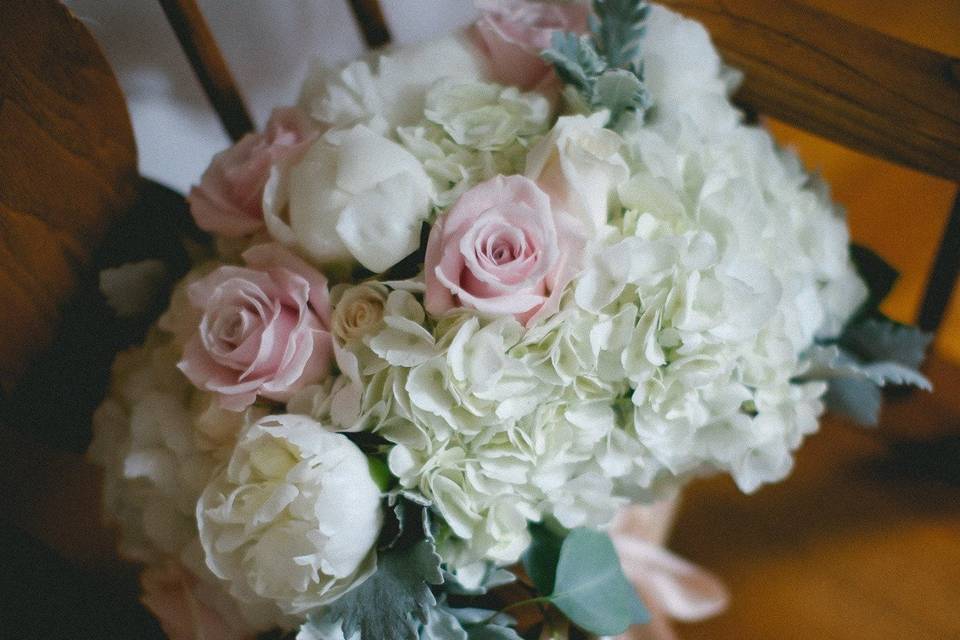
294,516
355,195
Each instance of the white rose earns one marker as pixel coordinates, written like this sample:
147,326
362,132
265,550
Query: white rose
358,311
354,195
579,165
294,516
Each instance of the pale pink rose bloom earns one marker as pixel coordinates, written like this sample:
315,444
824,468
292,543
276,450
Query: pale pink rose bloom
513,33
501,250
264,328
170,592
671,587
228,200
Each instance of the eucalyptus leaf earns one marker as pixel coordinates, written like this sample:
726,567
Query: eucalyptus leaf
541,557
590,587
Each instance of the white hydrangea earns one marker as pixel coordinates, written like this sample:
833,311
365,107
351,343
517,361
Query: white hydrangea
675,351
159,441
713,262
387,89
490,442
485,116
473,131
293,517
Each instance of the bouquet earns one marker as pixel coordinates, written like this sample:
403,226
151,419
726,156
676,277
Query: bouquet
461,306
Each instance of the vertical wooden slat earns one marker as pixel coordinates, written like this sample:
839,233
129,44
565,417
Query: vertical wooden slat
208,63
943,275
373,26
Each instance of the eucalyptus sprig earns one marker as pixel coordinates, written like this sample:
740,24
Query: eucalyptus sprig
605,66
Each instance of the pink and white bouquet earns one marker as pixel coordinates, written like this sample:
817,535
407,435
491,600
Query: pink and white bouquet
463,304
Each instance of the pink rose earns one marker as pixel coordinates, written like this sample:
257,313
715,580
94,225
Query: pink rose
264,328
171,593
513,33
228,200
500,250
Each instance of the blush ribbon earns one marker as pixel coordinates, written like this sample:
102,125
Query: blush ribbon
671,587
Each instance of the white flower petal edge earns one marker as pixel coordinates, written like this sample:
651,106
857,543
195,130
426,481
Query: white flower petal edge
355,196
294,516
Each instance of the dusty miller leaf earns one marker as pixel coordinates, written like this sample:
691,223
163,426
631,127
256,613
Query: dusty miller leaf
575,60
617,29
881,339
857,398
447,623
853,385
393,602
832,362
620,91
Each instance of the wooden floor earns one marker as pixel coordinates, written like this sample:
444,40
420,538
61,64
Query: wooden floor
862,542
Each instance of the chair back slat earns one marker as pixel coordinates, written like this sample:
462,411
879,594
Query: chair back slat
373,26
209,65
850,84
943,275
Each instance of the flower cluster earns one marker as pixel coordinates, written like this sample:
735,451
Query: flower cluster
454,285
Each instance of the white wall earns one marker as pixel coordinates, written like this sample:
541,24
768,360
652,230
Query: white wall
268,45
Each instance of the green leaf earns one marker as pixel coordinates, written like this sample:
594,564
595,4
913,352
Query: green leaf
390,604
618,28
590,587
541,557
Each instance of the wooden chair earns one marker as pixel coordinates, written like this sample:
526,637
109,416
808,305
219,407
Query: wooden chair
68,186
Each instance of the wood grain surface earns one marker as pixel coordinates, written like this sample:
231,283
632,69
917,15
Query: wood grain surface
861,542
848,83
67,169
